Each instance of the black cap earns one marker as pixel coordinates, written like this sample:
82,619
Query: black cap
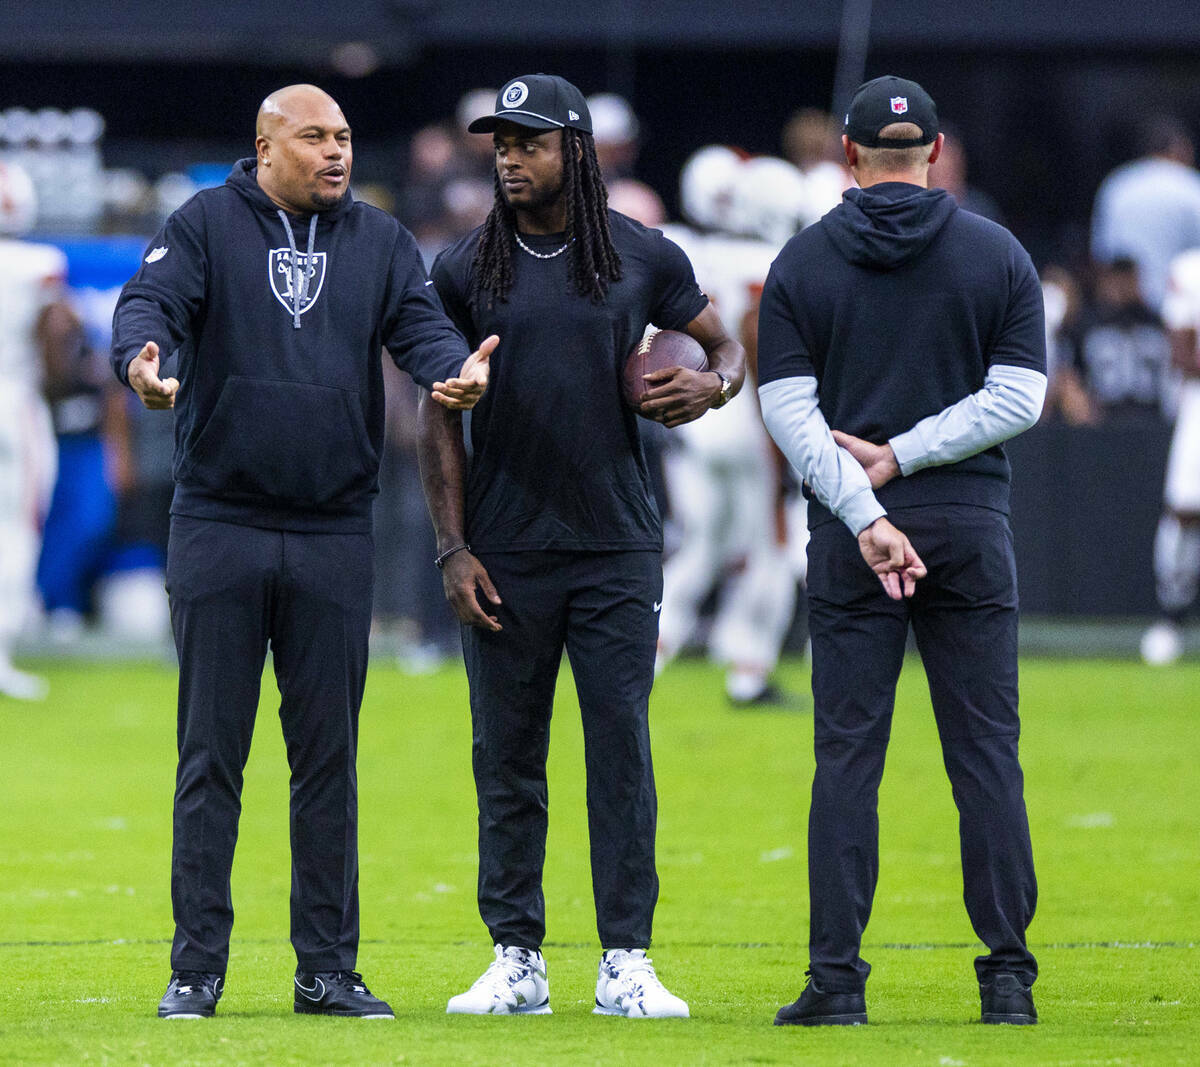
882,101
539,102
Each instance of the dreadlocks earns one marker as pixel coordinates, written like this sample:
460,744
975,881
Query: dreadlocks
594,262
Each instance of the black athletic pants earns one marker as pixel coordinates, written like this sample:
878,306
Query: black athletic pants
964,617
602,607
234,590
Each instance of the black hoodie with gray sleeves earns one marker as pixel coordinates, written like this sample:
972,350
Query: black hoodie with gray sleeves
279,322
898,302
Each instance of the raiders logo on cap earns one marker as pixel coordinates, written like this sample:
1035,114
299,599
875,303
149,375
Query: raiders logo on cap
537,102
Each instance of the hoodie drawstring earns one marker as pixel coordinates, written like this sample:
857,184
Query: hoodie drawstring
299,276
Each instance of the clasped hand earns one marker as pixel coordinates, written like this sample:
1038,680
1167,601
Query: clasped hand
887,551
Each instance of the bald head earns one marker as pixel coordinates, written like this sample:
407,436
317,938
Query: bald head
283,103
303,145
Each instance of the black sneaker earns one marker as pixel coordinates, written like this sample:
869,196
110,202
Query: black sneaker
338,993
815,1007
1006,1000
191,995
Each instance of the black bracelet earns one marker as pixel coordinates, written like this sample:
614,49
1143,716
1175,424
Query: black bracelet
440,562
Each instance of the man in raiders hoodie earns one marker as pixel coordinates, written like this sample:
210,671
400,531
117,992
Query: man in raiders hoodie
279,292
914,330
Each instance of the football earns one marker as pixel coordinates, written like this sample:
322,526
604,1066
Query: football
658,351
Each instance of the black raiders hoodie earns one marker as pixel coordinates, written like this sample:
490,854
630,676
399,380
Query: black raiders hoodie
279,322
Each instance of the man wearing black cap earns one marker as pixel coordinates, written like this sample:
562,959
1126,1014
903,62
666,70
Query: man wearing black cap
914,329
553,540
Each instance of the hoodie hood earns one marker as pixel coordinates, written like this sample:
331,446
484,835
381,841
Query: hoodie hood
886,225
244,178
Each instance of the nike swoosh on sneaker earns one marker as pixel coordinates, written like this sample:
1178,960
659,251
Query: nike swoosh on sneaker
318,988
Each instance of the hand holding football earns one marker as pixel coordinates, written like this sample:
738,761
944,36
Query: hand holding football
663,350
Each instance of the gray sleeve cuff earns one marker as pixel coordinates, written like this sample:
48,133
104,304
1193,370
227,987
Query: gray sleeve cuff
909,449
794,419
860,511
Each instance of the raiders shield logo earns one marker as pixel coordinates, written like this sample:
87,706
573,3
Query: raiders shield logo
312,277
514,95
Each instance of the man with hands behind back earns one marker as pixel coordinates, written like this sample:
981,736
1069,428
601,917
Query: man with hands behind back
914,329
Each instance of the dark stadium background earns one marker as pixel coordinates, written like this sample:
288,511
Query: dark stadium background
1045,94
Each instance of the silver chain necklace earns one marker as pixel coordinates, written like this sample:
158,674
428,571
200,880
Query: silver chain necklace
540,255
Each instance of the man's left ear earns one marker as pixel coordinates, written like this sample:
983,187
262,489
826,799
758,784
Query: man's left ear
937,147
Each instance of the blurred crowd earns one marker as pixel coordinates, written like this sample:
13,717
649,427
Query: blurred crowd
85,482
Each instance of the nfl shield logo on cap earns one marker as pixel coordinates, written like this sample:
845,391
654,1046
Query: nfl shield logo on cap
883,101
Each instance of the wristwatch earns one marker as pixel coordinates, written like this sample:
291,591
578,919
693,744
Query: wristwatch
726,393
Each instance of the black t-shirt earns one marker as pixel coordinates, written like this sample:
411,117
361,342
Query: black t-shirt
557,459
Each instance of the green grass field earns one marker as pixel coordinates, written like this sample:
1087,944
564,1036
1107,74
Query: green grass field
1110,752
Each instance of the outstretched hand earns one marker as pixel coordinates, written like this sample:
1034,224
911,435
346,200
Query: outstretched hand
879,461
890,555
156,393
462,575
463,393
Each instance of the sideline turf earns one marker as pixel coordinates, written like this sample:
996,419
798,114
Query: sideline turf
1110,752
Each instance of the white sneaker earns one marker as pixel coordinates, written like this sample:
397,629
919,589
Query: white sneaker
1162,644
514,984
21,686
627,985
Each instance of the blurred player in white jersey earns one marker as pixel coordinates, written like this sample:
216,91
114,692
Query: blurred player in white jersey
1177,541
812,142
723,478
31,278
